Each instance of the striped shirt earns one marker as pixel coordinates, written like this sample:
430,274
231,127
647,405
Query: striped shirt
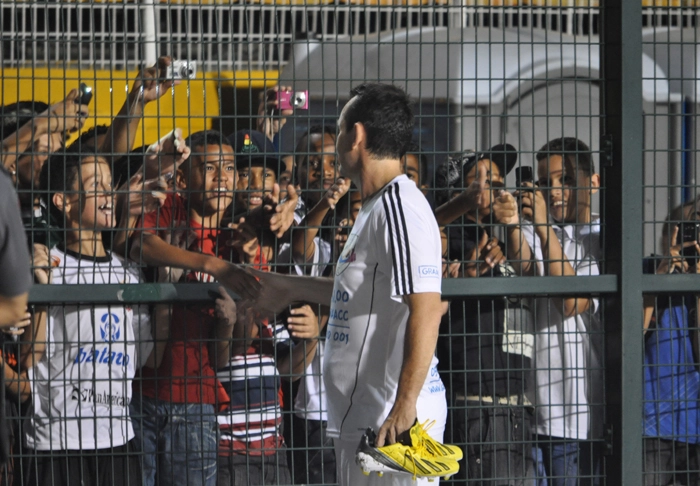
252,422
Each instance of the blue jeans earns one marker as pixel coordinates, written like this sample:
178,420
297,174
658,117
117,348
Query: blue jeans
179,441
569,462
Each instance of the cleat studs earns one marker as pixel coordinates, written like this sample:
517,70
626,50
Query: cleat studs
366,473
380,474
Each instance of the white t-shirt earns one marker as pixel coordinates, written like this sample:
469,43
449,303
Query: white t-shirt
567,358
392,251
81,387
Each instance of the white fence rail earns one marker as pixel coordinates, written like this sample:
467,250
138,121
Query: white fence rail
249,37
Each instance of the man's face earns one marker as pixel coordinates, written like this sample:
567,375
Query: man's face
319,171
348,158
29,165
494,183
254,183
89,205
567,190
209,178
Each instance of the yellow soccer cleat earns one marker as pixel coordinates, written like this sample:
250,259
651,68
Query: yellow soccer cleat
415,459
419,435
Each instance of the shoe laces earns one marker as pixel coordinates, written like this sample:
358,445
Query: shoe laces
409,451
425,443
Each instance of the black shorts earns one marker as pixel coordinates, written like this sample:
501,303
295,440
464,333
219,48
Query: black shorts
118,466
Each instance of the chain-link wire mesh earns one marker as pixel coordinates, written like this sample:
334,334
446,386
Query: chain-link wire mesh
169,157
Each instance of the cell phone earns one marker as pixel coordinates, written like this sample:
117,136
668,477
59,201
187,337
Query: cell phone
293,100
85,95
689,231
523,174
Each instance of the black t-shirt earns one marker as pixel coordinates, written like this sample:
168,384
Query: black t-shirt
15,276
485,344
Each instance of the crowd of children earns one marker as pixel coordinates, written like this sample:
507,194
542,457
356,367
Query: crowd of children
192,393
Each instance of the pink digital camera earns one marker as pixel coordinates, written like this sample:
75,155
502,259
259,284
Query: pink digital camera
293,100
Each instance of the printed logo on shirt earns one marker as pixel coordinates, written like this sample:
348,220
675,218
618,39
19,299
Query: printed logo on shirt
428,271
109,329
348,255
88,395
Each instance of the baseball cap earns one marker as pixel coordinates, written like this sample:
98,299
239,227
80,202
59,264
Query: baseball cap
504,155
251,147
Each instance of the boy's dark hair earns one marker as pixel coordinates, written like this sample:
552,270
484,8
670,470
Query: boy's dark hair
87,139
386,113
204,138
15,115
301,152
414,149
575,153
58,174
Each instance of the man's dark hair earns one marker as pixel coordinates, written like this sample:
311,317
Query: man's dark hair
204,138
386,113
15,115
575,153
88,138
58,174
414,149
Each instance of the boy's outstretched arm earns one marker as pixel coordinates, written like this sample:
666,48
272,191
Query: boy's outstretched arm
153,251
304,326
303,245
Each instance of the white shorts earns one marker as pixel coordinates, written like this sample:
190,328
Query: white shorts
350,474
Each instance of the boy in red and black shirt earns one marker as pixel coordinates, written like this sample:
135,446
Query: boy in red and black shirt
174,407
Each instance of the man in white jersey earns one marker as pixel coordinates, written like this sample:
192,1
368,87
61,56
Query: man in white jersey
380,366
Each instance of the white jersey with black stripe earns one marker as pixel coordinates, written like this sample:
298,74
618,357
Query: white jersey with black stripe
392,251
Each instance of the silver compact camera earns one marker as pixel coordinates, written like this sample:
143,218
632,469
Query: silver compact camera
182,70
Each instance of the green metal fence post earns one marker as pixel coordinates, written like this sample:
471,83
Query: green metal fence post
621,52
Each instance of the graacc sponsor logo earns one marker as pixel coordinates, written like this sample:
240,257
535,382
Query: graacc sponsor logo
428,271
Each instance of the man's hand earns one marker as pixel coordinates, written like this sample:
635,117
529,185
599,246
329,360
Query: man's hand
163,158
396,426
486,256
41,263
673,261
244,240
225,308
239,279
136,198
151,83
17,328
336,191
67,115
534,205
303,323
283,216
270,118
505,209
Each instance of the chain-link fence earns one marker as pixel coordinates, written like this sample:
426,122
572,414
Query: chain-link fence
554,142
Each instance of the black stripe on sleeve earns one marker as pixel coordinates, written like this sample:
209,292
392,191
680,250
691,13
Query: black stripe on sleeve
396,239
391,239
406,242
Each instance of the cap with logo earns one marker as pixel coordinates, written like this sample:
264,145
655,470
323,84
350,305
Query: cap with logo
253,148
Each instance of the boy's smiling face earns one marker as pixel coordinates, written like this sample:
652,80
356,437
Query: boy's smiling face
90,204
209,178
254,183
567,190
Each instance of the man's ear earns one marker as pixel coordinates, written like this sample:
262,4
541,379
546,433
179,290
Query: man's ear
595,183
60,201
360,135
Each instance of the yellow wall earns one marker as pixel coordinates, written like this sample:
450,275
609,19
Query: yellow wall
189,106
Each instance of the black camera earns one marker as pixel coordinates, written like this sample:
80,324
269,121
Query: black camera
85,95
523,174
689,232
